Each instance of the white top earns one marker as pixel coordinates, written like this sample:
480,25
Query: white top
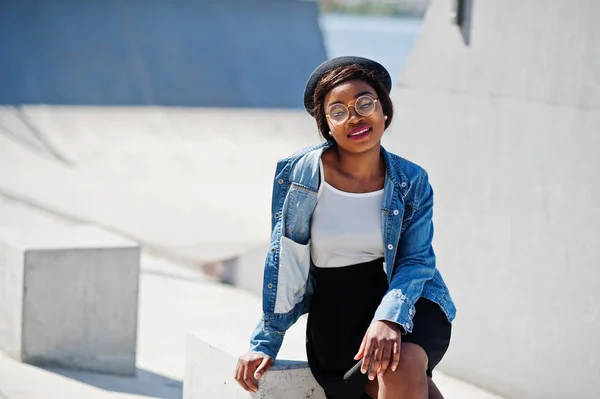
346,227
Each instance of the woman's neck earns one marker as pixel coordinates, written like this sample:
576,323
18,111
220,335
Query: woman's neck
362,166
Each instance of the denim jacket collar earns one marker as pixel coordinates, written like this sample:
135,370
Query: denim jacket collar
306,171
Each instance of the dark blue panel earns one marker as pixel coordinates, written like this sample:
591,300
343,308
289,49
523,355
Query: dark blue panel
229,53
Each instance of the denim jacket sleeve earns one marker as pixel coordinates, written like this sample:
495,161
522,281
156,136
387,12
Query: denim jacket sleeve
269,340
265,342
414,262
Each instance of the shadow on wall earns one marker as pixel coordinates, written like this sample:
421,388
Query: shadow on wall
144,383
230,53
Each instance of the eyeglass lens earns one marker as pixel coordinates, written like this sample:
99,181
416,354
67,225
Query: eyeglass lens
364,106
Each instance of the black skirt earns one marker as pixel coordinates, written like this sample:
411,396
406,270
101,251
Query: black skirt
342,308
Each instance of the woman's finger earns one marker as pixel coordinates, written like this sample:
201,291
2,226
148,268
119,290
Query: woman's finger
375,364
361,350
367,356
385,358
239,375
238,372
395,355
249,376
242,377
377,357
263,367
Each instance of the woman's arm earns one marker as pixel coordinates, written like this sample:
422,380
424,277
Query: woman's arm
264,345
265,342
415,262
414,265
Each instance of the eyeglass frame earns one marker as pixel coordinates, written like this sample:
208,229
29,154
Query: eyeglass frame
375,100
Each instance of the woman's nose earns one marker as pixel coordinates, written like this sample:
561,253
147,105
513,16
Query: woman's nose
352,113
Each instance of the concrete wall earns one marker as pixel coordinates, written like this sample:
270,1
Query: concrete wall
226,53
508,130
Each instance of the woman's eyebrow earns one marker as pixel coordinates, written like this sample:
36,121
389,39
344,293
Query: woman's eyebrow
362,93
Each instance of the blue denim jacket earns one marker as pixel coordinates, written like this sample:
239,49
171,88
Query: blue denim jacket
407,230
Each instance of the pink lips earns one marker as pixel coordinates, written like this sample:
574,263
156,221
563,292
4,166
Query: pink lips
359,132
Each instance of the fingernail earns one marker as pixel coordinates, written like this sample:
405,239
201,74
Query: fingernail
393,368
371,377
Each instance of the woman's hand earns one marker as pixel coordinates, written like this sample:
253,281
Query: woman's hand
381,345
251,367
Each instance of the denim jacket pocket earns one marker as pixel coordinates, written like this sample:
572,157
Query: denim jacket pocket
297,209
294,268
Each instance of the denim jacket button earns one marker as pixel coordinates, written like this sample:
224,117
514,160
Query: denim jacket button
280,181
403,184
270,285
396,212
273,250
390,247
277,215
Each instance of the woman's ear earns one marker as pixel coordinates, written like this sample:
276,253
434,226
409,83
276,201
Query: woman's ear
330,128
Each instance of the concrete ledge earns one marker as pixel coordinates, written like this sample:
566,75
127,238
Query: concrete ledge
210,367
69,297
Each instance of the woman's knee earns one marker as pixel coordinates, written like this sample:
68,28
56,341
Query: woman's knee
413,357
412,366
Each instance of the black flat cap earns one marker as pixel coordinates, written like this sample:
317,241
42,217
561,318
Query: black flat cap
378,70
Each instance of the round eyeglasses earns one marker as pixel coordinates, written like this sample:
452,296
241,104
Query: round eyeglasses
364,106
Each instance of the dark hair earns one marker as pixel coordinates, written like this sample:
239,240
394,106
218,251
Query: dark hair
340,75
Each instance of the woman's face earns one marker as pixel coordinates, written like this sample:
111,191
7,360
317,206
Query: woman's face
357,133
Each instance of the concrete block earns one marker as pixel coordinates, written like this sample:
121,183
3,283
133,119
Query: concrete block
69,297
245,271
210,367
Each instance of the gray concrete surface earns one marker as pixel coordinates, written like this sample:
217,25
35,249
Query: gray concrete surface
24,381
69,297
173,302
153,174
508,130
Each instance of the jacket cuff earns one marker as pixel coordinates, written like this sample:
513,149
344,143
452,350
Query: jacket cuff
264,342
397,308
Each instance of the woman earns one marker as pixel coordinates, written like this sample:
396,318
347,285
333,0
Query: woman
351,245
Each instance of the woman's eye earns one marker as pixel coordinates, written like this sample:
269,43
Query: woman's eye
365,104
337,112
